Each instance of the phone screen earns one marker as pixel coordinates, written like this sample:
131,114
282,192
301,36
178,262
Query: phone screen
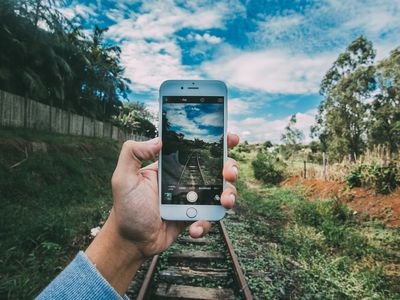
193,147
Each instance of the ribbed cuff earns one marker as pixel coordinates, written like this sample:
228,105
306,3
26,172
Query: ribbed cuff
80,280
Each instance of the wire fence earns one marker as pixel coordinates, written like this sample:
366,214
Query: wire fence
325,170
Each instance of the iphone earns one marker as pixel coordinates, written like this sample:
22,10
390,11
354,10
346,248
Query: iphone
192,127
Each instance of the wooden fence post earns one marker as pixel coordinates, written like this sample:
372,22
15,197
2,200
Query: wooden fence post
324,165
305,170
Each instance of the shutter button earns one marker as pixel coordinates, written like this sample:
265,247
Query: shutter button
192,196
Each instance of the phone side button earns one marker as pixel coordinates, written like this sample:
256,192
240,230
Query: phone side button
191,212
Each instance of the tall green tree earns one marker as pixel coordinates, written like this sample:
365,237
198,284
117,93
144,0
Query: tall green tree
292,137
44,56
384,121
346,87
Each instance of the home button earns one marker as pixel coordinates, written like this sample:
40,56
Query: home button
191,212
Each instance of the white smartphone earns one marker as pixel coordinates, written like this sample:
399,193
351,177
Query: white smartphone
192,127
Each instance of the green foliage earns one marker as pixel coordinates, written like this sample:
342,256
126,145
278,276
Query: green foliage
384,121
347,112
384,179
49,204
268,168
292,248
236,155
60,66
243,148
267,145
354,178
291,138
346,86
136,118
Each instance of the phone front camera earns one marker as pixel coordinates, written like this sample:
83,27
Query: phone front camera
181,87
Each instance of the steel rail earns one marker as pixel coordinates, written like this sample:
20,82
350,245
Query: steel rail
147,280
184,168
200,170
240,279
244,287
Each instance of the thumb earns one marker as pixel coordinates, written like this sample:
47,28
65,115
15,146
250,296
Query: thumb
132,153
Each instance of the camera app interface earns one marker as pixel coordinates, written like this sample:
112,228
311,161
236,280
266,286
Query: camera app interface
192,153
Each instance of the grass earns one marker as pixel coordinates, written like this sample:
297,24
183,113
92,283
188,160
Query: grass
58,189
291,248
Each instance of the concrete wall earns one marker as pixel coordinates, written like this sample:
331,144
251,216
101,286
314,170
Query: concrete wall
20,112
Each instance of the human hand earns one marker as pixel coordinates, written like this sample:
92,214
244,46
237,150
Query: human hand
134,228
136,199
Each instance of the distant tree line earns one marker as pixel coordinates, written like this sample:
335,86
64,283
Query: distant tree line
361,106
44,56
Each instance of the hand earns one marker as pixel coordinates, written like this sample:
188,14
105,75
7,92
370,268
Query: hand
134,230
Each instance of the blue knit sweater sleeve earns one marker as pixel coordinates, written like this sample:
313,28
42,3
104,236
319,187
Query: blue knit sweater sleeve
79,280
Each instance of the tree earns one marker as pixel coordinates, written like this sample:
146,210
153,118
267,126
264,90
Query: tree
267,145
44,56
136,118
346,87
291,138
384,124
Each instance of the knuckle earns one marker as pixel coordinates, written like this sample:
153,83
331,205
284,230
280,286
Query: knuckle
128,144
115,182
232,161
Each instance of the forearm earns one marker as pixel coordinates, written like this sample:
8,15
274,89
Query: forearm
115,258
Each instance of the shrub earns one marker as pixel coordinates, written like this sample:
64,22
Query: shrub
354,179
268,168
236,156
384,179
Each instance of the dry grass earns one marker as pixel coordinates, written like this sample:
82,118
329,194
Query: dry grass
339,171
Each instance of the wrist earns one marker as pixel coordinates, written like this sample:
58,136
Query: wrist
114,257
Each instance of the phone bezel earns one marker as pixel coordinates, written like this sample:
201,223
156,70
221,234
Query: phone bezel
192,88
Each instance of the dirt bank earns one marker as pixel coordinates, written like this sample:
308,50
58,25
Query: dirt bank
383,207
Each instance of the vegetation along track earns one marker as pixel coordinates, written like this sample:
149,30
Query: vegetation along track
204,268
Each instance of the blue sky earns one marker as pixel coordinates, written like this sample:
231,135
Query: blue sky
196,120
272,54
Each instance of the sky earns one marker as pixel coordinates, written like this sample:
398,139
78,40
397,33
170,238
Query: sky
196,120
271,54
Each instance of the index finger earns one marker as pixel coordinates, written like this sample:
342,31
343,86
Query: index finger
233,140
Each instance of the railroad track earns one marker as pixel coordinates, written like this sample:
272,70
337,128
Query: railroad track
192,173
204,268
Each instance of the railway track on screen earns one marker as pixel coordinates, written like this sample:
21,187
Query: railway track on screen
192,173
204,268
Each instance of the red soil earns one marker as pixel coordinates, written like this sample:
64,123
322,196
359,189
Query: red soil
383,207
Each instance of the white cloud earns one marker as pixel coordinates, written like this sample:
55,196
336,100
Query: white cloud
211,39
255,130
246,105
76,9
277,24
190,127
211,119
332,24
149,63
150,51
273,71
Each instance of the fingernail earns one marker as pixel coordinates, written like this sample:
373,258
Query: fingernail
199,230
235,169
